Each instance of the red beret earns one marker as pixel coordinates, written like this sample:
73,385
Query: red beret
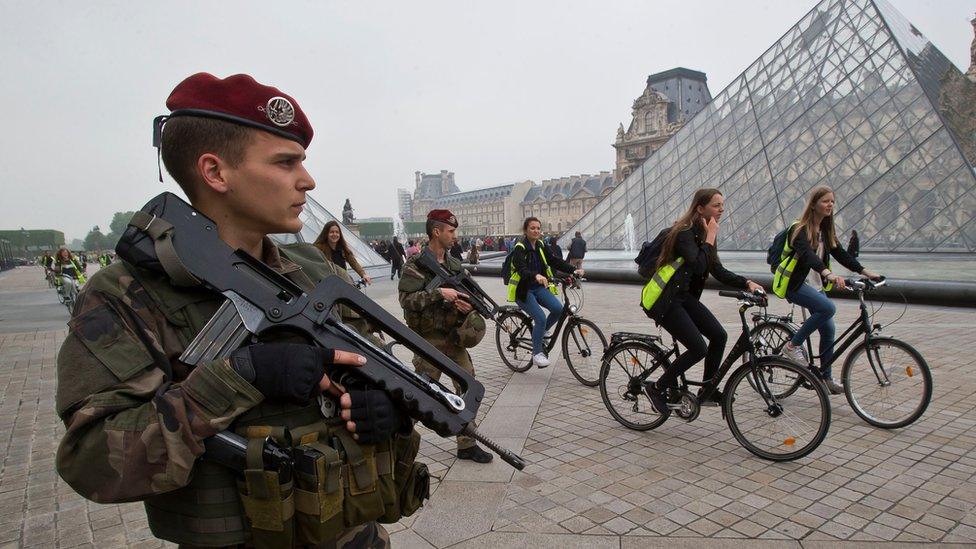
239,99
444,216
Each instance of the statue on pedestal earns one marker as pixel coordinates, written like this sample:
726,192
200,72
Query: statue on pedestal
347,215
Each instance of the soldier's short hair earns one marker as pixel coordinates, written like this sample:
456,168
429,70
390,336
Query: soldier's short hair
431,224
186,138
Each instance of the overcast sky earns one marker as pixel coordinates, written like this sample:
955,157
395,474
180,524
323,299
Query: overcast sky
495,91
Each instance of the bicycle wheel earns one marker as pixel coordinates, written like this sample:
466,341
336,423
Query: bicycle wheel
768,339
621,377
887,382
583,348
513,338
773,428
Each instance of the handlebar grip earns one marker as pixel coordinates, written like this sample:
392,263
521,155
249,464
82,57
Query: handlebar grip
727,293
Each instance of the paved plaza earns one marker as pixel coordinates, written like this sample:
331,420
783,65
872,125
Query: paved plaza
590,482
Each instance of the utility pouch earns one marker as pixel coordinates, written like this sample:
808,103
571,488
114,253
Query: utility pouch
411,478
362,498
268,500
318,491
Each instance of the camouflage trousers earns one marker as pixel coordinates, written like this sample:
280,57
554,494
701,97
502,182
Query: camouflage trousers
463,359
370,535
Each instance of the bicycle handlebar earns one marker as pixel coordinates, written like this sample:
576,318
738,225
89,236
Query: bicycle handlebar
864,284
750,298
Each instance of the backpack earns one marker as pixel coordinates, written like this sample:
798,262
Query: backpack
646,259
507,266
775,252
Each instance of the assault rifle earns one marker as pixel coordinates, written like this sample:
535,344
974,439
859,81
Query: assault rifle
170,235
462,282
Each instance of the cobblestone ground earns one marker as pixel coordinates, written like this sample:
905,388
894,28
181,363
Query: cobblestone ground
590,482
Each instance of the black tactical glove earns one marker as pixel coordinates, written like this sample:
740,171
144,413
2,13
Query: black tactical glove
283,371
375,416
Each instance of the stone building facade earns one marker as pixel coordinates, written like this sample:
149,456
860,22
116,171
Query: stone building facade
670,99
491,211
559,203
430,187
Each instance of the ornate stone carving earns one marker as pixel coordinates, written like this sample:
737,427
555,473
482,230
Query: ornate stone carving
347,215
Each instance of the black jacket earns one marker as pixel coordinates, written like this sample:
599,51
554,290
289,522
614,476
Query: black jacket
577,248
521,265
701,260
806,258
397,253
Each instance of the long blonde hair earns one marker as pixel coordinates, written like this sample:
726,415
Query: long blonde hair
686,221
808,222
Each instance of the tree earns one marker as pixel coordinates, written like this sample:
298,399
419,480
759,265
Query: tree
95,240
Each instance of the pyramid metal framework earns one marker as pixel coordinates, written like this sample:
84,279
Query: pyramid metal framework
314,217
852,96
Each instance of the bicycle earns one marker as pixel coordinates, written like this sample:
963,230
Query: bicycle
769,426
513,337
886,381
68,291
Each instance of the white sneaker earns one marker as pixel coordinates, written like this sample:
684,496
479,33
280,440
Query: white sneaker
541,360
834,387
795,353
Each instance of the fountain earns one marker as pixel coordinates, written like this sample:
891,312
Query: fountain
630,236
398,230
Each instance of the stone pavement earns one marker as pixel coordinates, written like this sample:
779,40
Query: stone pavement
589,482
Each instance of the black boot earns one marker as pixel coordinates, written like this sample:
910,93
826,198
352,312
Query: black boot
475,454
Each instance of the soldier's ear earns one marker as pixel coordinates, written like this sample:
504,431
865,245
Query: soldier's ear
213,172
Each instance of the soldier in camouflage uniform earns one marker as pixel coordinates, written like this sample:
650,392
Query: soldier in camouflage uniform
137,417
441,315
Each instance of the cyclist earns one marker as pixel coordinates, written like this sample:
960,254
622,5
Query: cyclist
531,284
334,246
688,255
67,269
813,240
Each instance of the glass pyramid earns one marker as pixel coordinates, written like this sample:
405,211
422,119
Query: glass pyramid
314,217
852,96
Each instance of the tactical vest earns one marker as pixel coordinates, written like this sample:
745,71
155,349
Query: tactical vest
433,323
352,484
785,268
655,286
514,277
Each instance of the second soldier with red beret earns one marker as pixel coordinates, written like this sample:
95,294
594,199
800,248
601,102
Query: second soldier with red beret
441,315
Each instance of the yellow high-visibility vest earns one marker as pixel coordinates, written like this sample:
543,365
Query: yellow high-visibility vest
655,286
514,276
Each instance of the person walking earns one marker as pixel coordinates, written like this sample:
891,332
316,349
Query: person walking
532,284
688,255
333,245
854,245
396,258
577,250
412,248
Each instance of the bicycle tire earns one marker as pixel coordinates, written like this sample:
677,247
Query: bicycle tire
851,380
796,413
620,385
512,328
585,367
768,338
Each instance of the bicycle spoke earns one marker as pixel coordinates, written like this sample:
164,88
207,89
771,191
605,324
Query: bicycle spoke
888,384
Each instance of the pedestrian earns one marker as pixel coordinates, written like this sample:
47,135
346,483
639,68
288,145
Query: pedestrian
473,255
577,251
456,250
412,248
854,245
396,258
138,419
554,248
333,245
441,315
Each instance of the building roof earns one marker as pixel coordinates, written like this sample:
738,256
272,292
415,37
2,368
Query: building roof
430,186
676,73
489,193
565,187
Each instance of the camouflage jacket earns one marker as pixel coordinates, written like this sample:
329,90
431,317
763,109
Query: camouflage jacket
135,415
426,311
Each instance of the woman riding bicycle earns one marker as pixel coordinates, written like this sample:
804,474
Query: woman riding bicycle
334,246
688,255
813,239
531,285
68,272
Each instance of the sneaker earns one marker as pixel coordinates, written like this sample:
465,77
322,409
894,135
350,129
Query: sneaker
834,387
475,454
714,400
797,354
658,399
541,360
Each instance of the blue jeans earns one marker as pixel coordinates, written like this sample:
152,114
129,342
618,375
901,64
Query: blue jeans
821,319
537,298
